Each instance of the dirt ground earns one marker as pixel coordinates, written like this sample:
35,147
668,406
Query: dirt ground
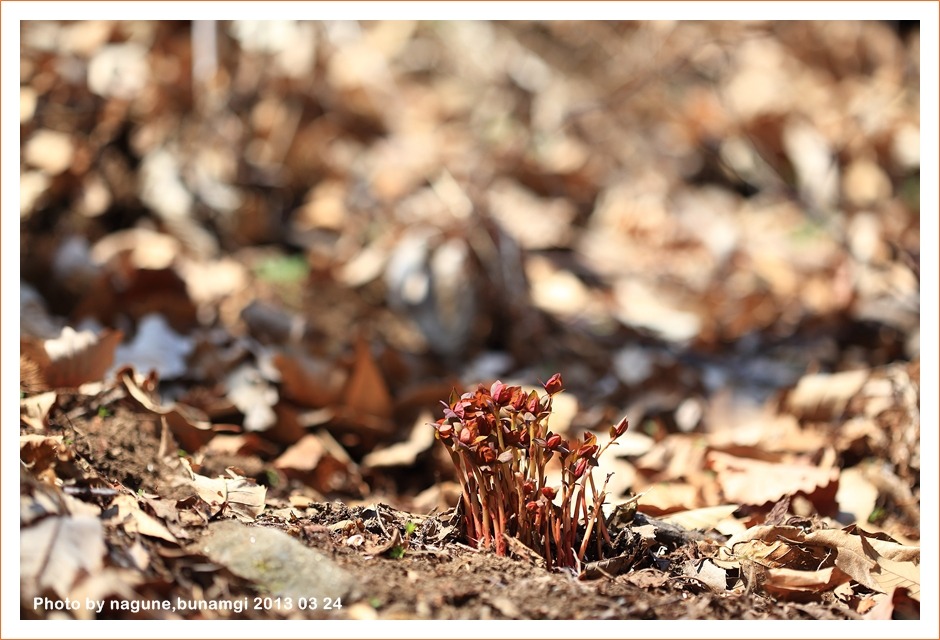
258,258
436,577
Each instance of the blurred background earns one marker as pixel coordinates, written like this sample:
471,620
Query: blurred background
311,231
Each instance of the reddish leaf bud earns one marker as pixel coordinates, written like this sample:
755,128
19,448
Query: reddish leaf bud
587,450
532,403
553,441
532,505
581,468
518,398
554,384
528,487
487,455
548,492
445,430
501,393
619,429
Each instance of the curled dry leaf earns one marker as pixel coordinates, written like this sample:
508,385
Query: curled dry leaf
755,482
133,519
770,546
404,454
35,409
366,391
234,496
892,574
189,426
717,518
322,463
825,396
794,584
72,359
880,564
41,452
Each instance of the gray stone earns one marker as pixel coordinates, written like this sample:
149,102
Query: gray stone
275,562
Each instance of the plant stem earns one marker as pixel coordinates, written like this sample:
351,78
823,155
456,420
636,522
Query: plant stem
501,522
469,495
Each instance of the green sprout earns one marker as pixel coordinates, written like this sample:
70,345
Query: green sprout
272,477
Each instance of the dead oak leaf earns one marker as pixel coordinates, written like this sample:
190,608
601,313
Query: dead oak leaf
73,358
755,482
366,391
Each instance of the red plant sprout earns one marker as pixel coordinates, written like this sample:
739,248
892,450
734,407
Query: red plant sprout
499,443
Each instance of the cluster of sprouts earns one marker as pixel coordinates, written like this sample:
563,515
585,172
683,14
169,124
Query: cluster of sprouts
499,442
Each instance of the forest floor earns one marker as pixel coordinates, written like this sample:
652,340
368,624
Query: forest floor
251,274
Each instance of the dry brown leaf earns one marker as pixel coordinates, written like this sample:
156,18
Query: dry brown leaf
677,456
40,499
648,578
189,426
40,453
404,454
292,425
768,545
209,282
754,482
794,584
234,496
366,391
307,381
718,518
848,538
891,574
143,248
533,222
322,463
57,552
825,396
640,307
709,573
669,497
857,555
133,519
75,357
897,604
243,444
35,409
